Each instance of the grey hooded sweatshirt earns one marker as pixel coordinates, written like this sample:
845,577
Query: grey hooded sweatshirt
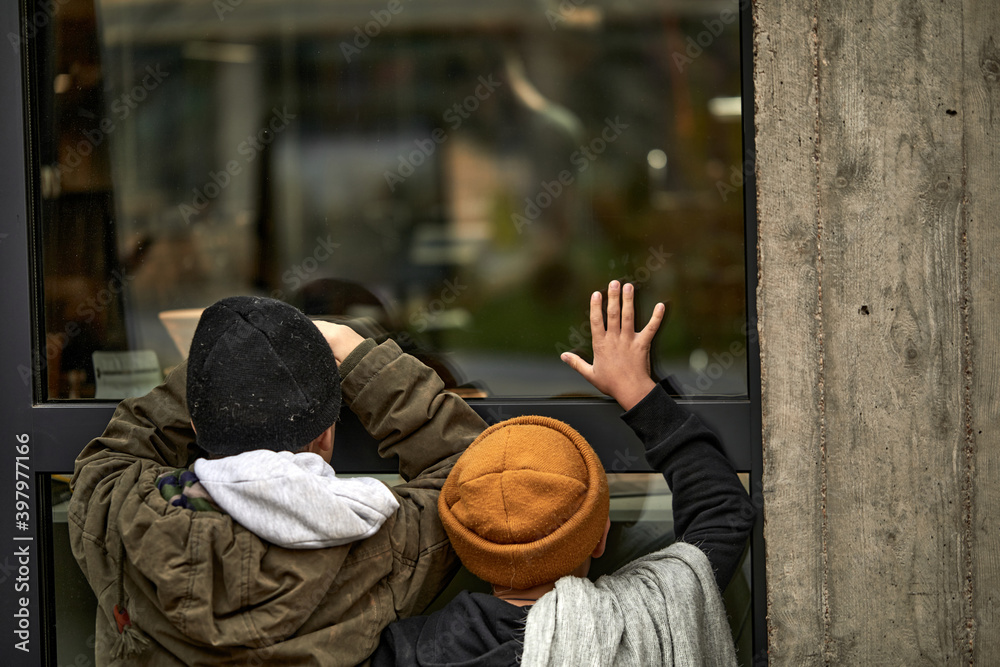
296,500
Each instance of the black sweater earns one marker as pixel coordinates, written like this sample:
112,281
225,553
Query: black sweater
710,507
473,629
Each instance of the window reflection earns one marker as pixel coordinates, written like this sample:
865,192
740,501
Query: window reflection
458,176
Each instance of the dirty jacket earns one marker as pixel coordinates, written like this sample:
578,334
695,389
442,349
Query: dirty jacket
207,591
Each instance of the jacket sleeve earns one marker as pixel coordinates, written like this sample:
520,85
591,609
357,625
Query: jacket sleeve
152,430
711,508
403,404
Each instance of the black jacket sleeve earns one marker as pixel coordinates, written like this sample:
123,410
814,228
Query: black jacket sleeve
711,508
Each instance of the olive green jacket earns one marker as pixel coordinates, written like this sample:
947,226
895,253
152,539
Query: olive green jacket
206,591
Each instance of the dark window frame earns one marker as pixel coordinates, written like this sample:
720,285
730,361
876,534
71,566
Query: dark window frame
56,431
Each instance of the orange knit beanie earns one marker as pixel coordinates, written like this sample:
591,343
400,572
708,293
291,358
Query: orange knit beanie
526,503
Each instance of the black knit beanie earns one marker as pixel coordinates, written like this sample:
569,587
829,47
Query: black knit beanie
260,376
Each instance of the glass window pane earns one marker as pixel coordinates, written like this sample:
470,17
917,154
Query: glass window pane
460,176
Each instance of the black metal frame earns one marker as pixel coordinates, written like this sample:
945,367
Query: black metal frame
55,432
19,575
754,429
14,237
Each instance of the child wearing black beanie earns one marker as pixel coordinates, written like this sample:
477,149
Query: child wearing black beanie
260,376
211,525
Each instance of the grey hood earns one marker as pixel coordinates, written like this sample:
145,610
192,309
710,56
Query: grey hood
296,501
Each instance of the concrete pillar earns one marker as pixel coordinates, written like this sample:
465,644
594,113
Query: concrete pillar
878,159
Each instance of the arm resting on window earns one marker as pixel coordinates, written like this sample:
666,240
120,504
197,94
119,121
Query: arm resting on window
711,508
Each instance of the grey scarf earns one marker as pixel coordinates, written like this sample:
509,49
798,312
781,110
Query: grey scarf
662,609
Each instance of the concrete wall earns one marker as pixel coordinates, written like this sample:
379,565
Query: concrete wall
878,173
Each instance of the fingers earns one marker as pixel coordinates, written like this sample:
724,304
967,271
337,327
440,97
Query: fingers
628,308
341,339
328,329
578,364
654,321
596,315
614,307
621,313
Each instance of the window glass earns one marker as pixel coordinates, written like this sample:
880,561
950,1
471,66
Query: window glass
459,176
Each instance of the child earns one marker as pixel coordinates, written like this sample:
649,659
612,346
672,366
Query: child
224,537
526,508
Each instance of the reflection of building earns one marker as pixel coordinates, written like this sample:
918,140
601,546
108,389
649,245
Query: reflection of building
475,165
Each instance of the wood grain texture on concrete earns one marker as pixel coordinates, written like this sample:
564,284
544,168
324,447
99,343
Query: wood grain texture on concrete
890,198
789,317
878,208
980,112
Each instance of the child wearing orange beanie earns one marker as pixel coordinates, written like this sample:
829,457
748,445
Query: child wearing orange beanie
526,508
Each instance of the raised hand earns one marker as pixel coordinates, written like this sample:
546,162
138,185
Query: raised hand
621,355
341,338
